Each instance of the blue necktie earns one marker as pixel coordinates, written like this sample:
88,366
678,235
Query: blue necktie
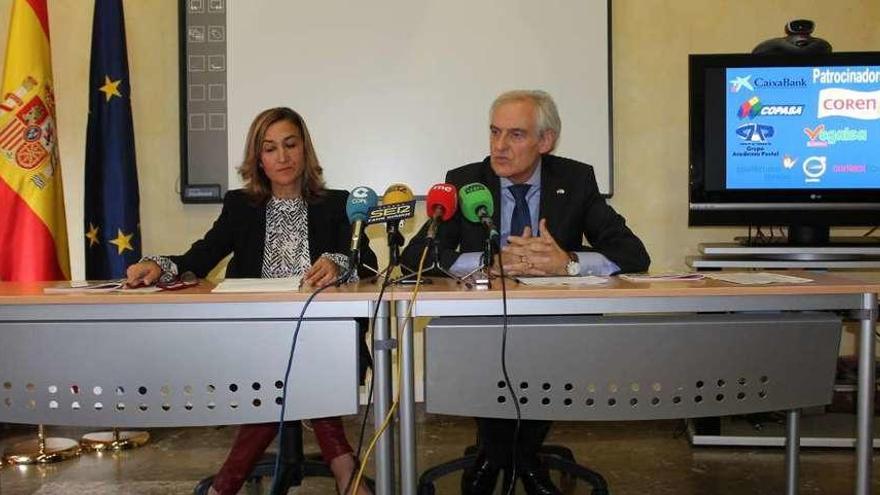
521,215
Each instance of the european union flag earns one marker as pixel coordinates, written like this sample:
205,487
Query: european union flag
112,218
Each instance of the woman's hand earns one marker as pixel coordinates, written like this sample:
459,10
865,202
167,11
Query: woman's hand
143,273
321,273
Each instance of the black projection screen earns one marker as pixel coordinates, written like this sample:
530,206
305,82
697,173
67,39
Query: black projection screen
392,90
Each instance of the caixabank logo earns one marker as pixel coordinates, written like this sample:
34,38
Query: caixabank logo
753,107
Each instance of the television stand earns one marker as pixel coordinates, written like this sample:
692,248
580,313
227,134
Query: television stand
854,241
855,255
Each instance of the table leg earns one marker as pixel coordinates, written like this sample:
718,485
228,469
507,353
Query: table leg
382,403
408,469
865,433
792,447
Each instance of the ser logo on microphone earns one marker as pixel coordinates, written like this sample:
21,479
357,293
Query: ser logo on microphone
388,213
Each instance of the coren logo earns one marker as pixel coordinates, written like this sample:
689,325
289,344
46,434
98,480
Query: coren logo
839,102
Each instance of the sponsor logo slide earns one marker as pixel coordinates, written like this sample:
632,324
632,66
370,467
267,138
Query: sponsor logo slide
839,102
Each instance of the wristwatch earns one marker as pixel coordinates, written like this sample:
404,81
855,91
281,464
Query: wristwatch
573,268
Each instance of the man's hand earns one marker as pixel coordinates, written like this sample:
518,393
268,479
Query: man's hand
539,256
514,255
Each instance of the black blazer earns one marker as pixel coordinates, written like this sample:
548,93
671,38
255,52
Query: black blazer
241,230
571,203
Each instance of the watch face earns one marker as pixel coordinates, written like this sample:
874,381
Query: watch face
573,268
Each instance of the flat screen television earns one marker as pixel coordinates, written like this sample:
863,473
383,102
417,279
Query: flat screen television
785,141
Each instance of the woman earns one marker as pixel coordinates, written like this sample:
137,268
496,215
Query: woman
282,223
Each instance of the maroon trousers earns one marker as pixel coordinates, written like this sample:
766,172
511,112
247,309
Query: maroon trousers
252,440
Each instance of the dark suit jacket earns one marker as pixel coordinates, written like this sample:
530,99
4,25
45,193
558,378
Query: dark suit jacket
571,203
241,230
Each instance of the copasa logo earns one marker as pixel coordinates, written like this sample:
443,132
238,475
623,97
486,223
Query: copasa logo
753,107
750,108
755,133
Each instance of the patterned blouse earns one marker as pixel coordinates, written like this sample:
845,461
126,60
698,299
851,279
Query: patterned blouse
286,251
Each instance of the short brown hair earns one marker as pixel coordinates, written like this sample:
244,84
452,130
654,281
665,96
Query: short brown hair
257,184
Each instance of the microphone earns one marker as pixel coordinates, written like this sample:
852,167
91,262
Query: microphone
477,206
441,203
357,207
396,194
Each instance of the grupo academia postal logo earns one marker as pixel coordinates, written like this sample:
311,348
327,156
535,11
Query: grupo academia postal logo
755,133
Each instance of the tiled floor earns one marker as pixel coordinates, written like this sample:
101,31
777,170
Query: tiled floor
635,458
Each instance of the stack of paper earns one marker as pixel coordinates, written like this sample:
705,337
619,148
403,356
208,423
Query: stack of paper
288,284
760,278
567,281
662,277
86,287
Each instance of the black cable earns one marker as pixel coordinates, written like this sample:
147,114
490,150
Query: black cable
357,456
506,376
338,280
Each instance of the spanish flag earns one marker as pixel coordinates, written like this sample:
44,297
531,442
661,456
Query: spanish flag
33,232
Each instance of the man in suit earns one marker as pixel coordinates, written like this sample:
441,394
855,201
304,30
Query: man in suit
545,206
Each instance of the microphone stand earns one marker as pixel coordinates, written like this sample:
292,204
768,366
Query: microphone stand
481,275
435,265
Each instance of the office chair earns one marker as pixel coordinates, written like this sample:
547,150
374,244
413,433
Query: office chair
555,458
295,465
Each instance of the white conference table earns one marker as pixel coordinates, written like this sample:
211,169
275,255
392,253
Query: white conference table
46,333
826,292
187,358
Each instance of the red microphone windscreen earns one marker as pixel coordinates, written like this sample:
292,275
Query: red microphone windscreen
446,197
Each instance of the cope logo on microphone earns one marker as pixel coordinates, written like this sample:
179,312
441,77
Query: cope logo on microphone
359,195
388,213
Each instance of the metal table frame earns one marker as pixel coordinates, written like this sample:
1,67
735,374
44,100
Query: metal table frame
186,307
863,307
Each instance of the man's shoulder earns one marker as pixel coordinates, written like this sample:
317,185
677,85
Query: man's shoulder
472,172
562,165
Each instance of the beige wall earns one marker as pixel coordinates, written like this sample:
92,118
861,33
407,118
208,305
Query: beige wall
652,39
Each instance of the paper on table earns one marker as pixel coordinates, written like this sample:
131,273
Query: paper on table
760,278
288,284
86,287
569,281
662,277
